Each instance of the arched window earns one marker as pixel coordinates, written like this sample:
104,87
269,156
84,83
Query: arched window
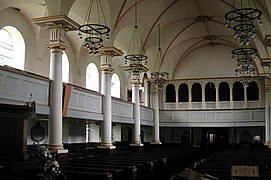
12,48
92,77
170,93
210,92
183,93
224,91
115,86
252,91
65,67
238,91
196,92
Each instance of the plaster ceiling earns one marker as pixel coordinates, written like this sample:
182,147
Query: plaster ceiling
187,26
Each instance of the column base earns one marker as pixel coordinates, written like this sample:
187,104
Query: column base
106,146
156,142
61,155
136,145
268,144
55,147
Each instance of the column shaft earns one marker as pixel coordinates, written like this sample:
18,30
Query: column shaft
135,100
55,121
267,115
156,136
107,112
146,93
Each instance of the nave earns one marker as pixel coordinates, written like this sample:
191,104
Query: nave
155,162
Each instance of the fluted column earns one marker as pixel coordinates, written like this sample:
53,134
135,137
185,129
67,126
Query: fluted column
155,99
57,26
135,99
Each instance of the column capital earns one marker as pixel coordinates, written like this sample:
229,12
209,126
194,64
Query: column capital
154,89
110,51
267,88
57,26
107,53
265,61
267,40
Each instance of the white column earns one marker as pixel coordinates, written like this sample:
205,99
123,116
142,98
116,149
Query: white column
155,99
176,96
203,96
58,26
190,104
245,97
231,95
55,120
146,93
106,130
217,95
267,112
135,99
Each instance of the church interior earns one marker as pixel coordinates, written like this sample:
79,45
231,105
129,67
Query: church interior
135,89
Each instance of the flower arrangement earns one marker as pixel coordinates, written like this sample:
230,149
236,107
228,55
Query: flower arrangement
48,166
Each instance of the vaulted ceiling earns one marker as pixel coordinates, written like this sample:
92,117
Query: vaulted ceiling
189,28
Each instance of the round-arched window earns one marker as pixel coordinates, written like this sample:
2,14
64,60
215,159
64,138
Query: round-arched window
92,77
115,86
12,48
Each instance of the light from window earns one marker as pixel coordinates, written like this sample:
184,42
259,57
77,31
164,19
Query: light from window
65,68
92,77
115,86
12,48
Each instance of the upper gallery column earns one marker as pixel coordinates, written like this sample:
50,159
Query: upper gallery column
57,27
135,99
155,100
107,54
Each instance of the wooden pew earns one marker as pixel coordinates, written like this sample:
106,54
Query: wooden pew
117,174
78,175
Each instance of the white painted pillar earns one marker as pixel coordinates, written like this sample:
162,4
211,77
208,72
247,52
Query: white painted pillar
107,53
135,99
58,26
217,95
245,97
267,112
55,120
202,96
231,95
155,99
106,135
146,93
190,104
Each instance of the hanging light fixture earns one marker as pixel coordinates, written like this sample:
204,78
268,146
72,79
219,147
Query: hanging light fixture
136,56
242,19
245,68
157,76
94,30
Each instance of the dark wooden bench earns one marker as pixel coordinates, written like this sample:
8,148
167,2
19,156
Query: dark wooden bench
79,175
